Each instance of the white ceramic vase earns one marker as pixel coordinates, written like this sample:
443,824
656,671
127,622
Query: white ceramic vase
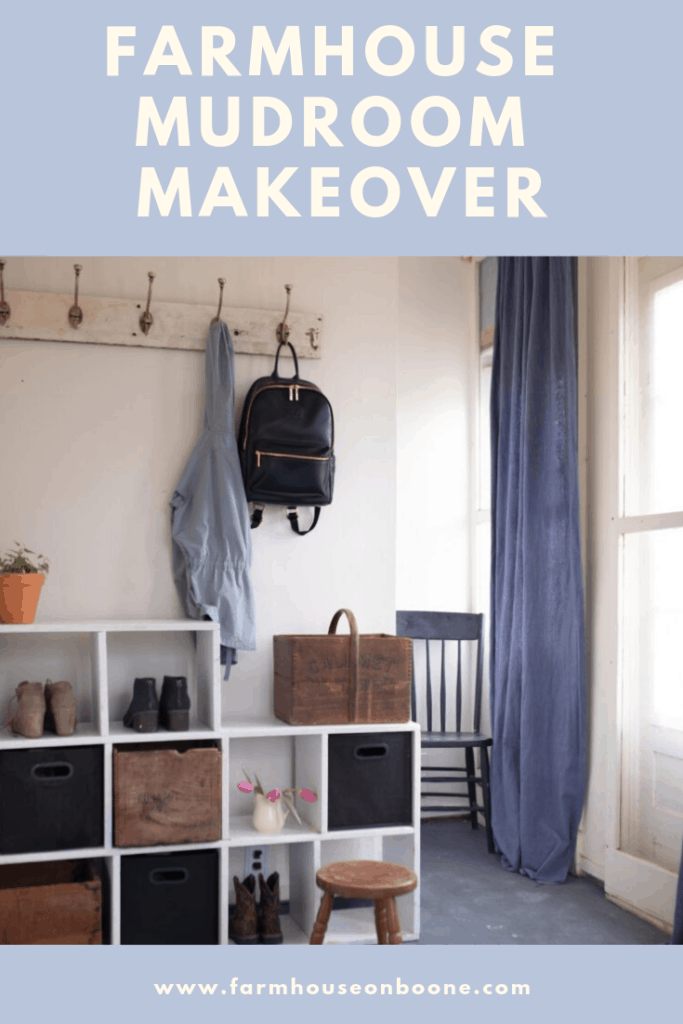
268,816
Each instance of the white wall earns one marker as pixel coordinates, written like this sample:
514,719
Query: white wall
436,328
436,313
95,439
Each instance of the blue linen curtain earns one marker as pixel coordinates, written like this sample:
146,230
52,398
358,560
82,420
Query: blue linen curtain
537,667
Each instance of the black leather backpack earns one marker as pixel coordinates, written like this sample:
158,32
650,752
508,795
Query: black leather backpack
286,445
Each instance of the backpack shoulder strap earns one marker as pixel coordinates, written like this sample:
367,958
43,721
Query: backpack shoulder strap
257,516
293,516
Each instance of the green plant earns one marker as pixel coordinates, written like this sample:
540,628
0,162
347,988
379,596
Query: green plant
22,560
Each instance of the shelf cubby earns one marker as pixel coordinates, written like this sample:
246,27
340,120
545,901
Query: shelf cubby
282,761
37,657
135,654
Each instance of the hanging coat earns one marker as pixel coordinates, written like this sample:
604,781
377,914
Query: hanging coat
209,514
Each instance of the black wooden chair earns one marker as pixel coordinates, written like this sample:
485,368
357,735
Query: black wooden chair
446,627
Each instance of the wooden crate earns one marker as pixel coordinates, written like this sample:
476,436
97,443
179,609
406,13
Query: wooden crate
167,794
337,680
56,903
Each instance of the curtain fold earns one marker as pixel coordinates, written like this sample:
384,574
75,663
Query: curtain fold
537,668
677,936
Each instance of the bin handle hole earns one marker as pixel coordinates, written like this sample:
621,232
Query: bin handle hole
169,876
374,752
52,771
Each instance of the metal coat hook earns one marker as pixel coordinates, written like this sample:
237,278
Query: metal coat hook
76,313
283,329
146,320
5,310
312,335
216,319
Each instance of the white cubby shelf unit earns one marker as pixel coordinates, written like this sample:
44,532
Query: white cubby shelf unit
101,659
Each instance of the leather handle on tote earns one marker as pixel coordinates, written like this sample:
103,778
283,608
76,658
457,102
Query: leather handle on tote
354,652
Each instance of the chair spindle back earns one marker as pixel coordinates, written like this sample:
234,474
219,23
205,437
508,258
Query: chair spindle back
443,626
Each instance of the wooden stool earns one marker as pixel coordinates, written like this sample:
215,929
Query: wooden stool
369,880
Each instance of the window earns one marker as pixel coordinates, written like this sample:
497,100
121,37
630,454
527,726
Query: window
650,529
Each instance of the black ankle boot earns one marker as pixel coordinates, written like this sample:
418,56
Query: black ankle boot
174,707
143,712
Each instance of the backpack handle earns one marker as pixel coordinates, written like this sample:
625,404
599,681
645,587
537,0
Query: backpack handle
277,360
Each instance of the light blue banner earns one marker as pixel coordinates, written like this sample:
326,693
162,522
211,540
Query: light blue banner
522,984
505,156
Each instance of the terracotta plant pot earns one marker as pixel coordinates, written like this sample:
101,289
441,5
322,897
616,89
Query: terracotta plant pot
19,593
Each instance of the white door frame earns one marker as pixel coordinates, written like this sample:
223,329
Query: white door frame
609,295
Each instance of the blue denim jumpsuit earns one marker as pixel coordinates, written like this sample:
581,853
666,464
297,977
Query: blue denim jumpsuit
209,514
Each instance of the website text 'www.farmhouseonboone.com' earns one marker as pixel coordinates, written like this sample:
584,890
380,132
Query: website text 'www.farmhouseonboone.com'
295,988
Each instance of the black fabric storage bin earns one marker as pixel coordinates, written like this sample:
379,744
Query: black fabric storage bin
51,798
370,779
170,899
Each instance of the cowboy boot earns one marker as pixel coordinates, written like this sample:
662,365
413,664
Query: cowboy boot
243,924
174,705
60,716
143,712
29,716
269,910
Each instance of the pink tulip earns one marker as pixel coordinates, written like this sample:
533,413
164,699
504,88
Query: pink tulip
273,795
308,796
245,787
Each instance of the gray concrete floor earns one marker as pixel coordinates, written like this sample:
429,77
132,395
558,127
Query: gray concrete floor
467,898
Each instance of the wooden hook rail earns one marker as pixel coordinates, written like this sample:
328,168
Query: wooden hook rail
41,316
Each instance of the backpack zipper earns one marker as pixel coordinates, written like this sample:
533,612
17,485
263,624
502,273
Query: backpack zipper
290,387
284,455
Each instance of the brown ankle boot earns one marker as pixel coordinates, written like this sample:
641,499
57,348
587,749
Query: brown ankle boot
29,716
269,910
243,923
60,716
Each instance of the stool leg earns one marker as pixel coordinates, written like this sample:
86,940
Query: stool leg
320,926
394,925
381,922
